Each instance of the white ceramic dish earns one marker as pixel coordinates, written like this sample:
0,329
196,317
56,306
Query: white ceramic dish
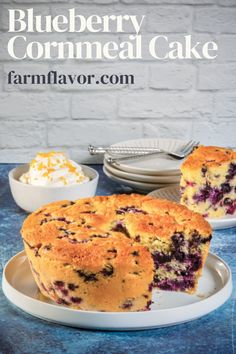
30,197
138,186
154,164
139,177
172,193
169,308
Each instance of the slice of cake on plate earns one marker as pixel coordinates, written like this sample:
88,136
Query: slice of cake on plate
208,181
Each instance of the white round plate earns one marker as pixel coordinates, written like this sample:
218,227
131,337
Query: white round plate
157,164
139,177
138,186
173,193
169,308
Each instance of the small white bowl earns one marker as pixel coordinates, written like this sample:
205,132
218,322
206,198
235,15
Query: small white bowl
30,197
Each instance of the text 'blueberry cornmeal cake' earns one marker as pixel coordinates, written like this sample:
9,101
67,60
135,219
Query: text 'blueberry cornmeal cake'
208,182
107,253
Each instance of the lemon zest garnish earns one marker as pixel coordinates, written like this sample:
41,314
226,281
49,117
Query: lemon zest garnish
41,166
32,162
70,167
50,170
50,154
63,179
52,161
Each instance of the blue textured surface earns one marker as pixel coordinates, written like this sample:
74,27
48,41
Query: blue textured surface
22,333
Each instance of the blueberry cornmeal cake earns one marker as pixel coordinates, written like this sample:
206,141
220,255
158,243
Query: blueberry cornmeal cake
108,253
208,182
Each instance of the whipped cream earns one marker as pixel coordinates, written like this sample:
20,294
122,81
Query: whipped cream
53,169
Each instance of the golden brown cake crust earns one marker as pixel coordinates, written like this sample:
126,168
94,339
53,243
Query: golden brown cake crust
87,217
209,156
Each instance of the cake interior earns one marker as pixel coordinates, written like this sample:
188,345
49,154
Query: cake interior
178,255
177,268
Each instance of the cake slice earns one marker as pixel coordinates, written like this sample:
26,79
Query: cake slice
208,181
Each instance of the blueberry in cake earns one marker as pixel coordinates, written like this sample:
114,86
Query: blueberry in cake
208,181
107,253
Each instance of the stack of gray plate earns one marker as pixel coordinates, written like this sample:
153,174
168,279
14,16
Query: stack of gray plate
146,173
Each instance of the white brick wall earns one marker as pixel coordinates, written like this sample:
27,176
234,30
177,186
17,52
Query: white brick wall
180,99
187,105
169,19
215,20
172,77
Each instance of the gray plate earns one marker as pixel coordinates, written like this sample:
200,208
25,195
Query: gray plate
169,308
